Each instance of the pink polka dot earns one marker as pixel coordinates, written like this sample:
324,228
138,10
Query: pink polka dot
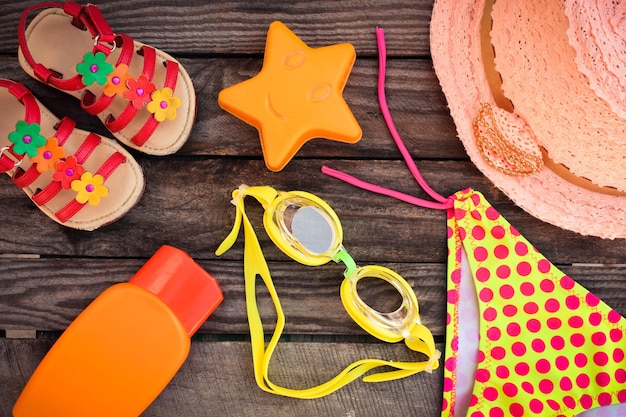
604,399
552,305
543,366
566,384
592,300
453,296
618,355
528,387
598,339
475,199
490,314
480,254
616,335
567,283
482,375
478,414
527,289
575,322
522,369
538,345
455,276
546,386
492,214
521,248
577,339
620,376
586,401
557,343
518,349
494,334
595,319
448,318
482,274
476,215
582,381
524,268
531,307
553,405
621,396
448,384
600,358
501,252
480,357
450,232
497,231
507,292
486,295
473,400
603,379
533,325
562,363
569,402
554,323
503,271
509,389
503,372
509,310
451,364
536,406
517,410
513,329
580,360
462,234
496,412
459,213
455,343
547,286
490,394
614,316
478,233
498,353
514,231
572,302
544,266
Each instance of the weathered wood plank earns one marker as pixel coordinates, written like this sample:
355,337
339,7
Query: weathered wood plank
47,294
229,27
217,379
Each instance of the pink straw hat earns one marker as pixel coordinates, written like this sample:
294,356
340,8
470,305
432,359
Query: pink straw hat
537,90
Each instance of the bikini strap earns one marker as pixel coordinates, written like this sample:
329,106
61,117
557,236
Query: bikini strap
441,202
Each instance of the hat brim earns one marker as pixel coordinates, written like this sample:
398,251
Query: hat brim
455,41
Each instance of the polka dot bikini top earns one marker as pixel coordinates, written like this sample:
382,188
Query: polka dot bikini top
522,338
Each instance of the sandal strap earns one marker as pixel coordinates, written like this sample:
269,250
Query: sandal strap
107,168
8,159
85,17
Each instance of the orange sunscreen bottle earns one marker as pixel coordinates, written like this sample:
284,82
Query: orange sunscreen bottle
126,346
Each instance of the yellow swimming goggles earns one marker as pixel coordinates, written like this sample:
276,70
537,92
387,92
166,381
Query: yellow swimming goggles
306,229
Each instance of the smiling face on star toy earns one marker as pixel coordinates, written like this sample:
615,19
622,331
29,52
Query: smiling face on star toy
297,96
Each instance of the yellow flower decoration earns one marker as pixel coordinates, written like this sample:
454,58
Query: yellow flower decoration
48,155
164,104
116,81
89,188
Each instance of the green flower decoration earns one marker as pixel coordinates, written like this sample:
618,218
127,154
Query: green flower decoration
94,68
26,138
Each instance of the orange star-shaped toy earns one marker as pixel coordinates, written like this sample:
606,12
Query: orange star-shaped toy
297,96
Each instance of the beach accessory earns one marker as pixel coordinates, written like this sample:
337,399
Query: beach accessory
536,90
76,178
306,229
125,347
297,96
522,338
141,94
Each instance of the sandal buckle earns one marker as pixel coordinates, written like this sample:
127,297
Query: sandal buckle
97,25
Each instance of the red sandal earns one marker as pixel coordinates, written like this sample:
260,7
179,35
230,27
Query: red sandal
142,95
77,178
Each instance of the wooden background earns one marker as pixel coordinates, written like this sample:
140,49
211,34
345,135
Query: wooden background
49,273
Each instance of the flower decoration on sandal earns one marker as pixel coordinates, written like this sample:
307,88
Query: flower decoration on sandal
26,138
94,68
139,91
116,84
67,171
90,188
48,155
164,104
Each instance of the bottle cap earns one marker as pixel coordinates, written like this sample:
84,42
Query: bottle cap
183,285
